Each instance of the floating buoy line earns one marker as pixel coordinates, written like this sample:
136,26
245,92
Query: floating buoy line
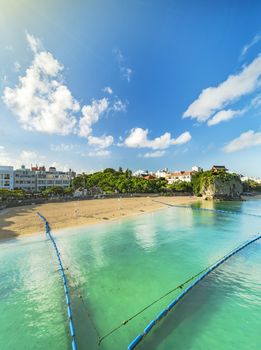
165,311
61,270
207,209
199,277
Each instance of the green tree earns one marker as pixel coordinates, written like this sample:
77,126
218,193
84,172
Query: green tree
251,186
53,191
79,182
182,186
128,173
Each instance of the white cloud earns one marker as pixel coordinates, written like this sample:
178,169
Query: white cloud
26,157
5,158
91,115
100,142
63,147
29,155
256,101
43,103
40,100
224,115
235,86
183,138
108,89
253,42
99,153
60,166
119,106
34,43
17,66
245,140
4,80
156,154
126,72
138,138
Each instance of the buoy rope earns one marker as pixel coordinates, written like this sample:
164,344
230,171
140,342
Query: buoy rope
90,318
61,269
165,311
206,209
180,286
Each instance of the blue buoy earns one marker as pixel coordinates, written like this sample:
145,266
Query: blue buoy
72,328
74,346
69,310
135,342
149,326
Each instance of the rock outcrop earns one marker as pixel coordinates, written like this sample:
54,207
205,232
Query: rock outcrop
222,188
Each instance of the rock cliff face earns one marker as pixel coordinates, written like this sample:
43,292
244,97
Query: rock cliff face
229,189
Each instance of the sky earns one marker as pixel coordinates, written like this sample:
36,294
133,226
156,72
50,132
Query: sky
139,84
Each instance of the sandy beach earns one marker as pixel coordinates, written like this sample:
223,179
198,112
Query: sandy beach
22,221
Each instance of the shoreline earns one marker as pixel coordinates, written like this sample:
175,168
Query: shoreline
20,222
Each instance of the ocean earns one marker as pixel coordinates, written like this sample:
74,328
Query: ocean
115,269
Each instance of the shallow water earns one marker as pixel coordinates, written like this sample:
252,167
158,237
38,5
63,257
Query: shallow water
120,267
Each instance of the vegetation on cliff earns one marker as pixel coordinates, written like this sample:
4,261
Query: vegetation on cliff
219,184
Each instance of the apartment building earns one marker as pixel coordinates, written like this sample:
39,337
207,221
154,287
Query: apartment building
162,173
25,179
7,177
52,177
140,173
183,175
251,178
35,179
179,176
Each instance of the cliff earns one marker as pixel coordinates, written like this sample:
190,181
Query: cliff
221,185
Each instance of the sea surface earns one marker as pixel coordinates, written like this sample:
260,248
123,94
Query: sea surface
117,268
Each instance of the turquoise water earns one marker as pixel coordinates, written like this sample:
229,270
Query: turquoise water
120,267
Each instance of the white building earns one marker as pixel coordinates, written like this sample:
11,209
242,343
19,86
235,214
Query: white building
34,179
161,173
140,173
25,179
51,178
197,168
7,177
247,178
183,175
179,176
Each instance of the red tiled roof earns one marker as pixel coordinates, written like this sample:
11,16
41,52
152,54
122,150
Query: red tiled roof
149,177
181,173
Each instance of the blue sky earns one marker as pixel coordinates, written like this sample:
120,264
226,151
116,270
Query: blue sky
138,84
